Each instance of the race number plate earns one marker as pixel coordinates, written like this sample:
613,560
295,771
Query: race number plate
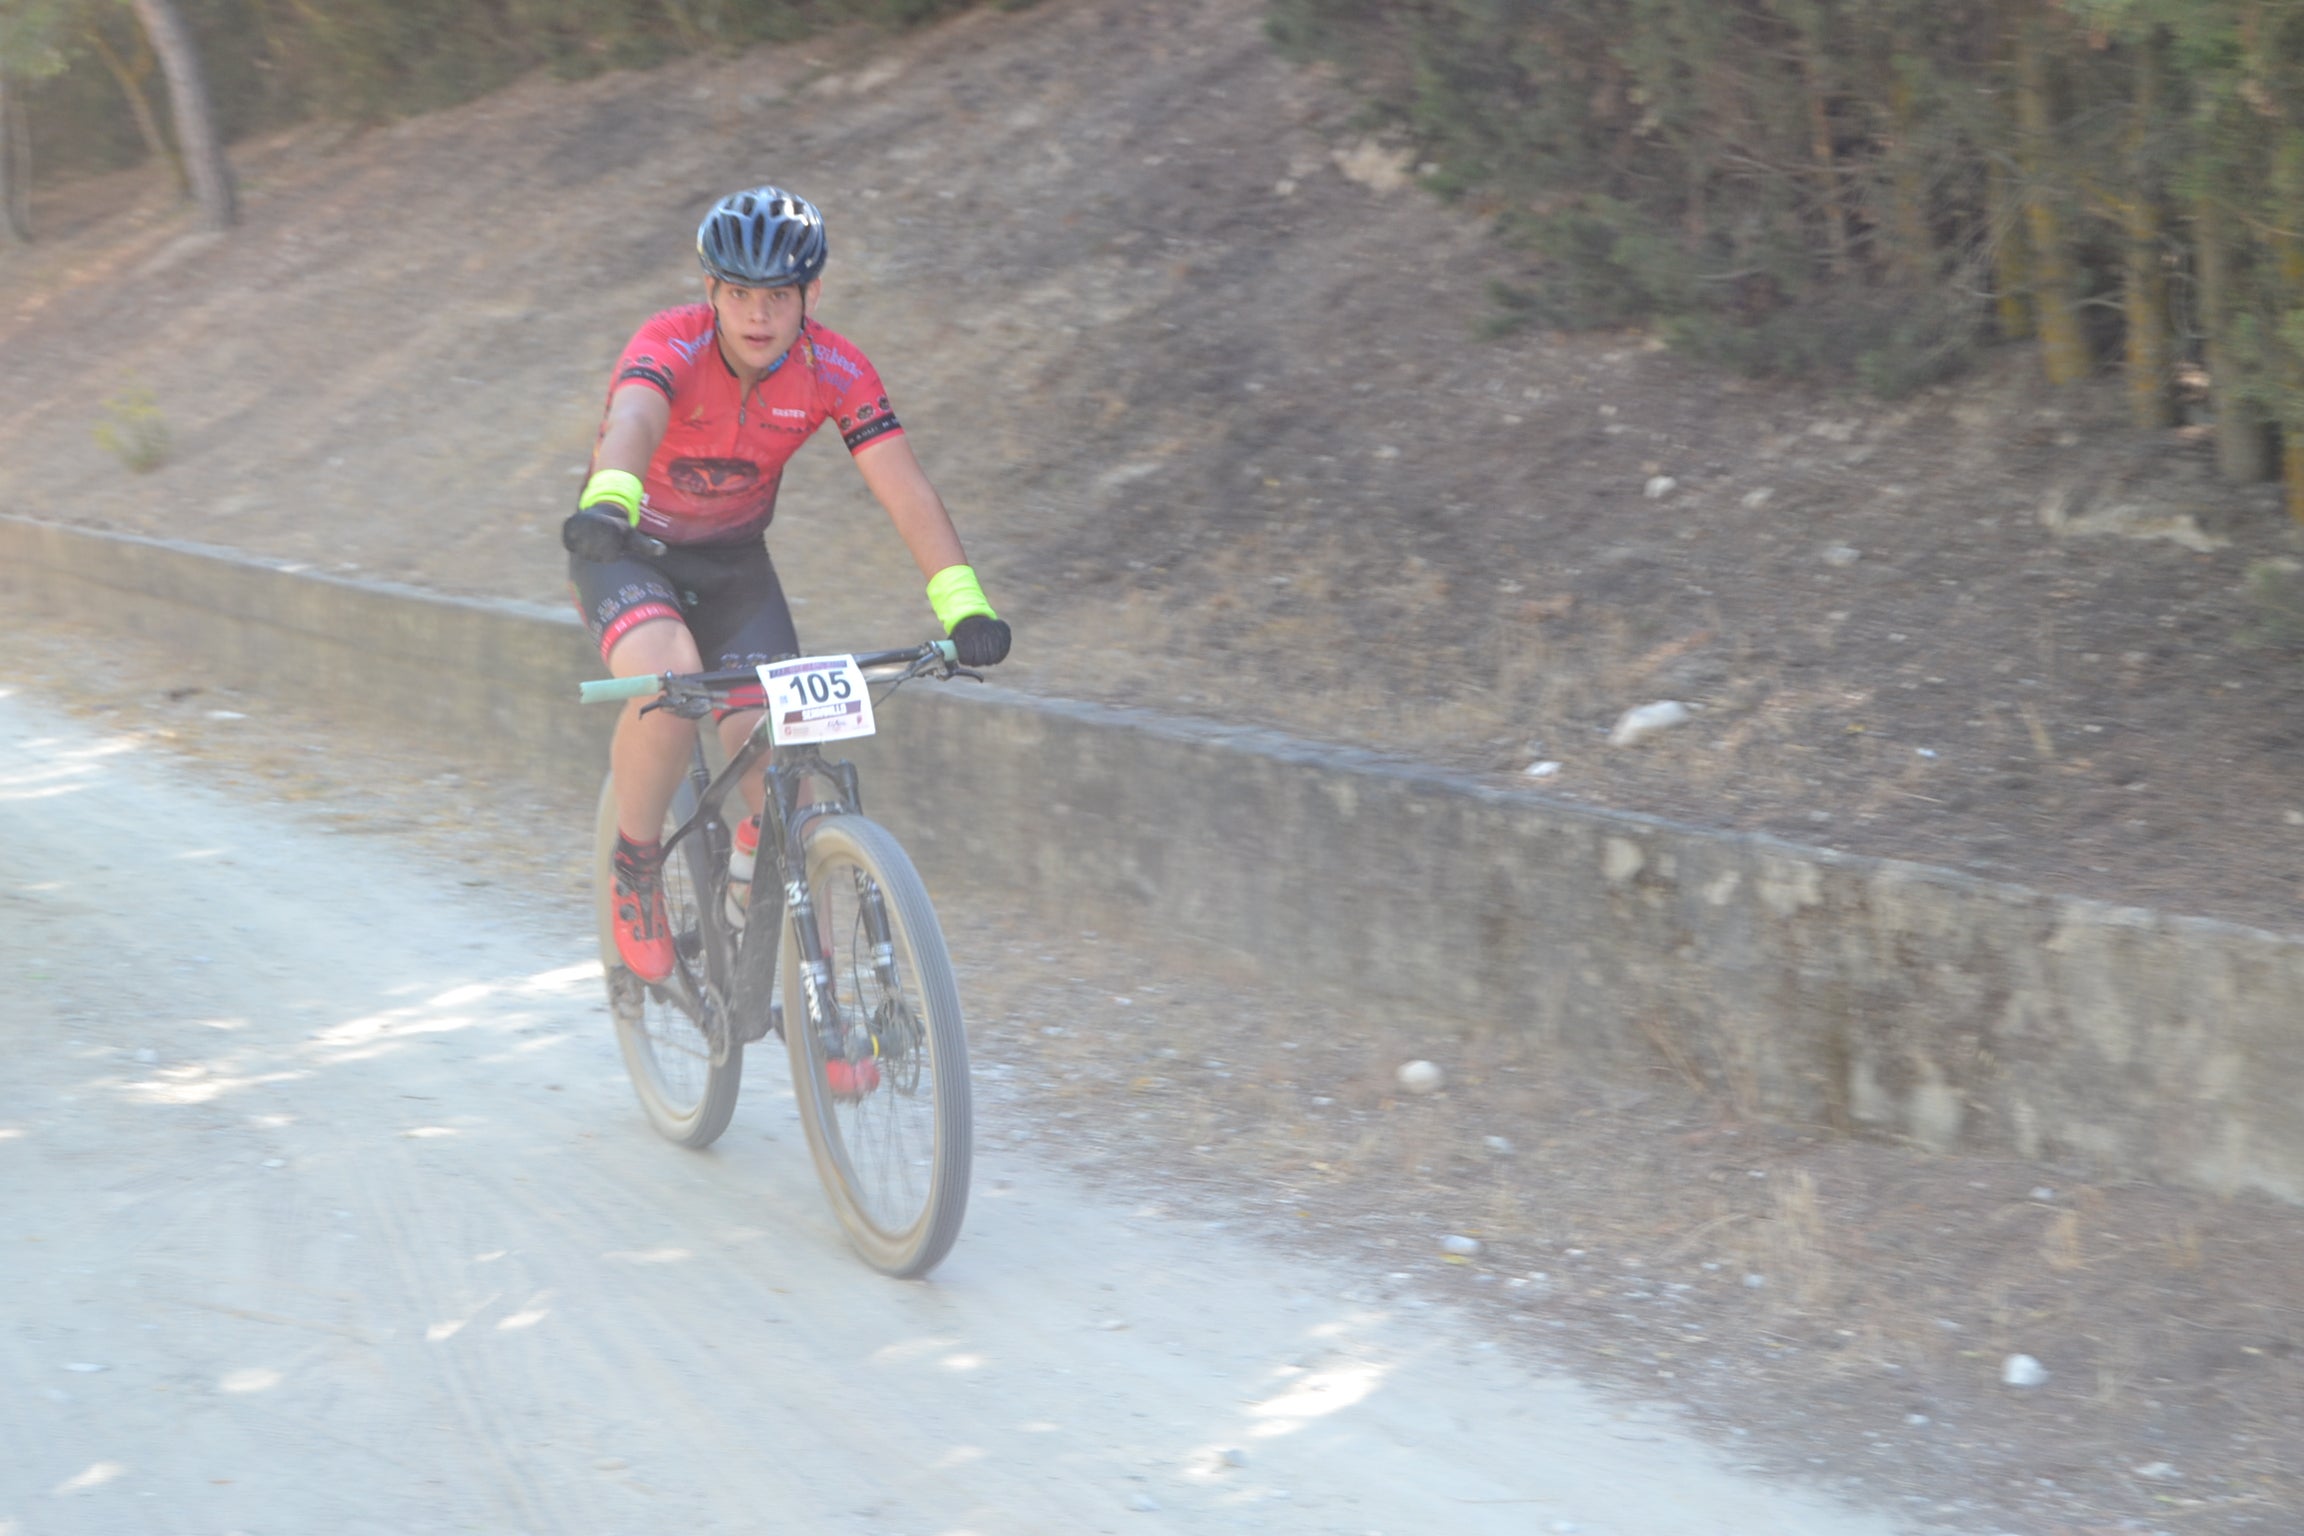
816,698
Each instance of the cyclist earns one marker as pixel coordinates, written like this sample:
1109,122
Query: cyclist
707,404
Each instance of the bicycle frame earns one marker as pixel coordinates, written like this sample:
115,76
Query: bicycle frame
747,956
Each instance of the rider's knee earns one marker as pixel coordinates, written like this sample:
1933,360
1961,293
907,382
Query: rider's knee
660,645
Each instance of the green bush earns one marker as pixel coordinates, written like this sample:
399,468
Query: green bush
133,431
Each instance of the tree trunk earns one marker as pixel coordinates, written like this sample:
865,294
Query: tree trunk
131,83
15,163
2011,266
1908,190
196,135
2243,436
2288,252
1827,167
2151,400
2055,306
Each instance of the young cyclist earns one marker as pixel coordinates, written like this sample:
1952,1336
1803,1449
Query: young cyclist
707,404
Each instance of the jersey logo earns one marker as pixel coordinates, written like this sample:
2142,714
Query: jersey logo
688,346
714,477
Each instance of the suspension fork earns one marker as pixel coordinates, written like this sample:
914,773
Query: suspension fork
876,926
784,824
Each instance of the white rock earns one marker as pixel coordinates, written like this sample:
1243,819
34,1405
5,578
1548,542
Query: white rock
1916,1420
1660,486
1755,1282
1638,725
1421,1076
1754,500
1462,1247
2043,1192
2022,1371
2158,1472
1843,554
1233,1456
1500,1145
1544,770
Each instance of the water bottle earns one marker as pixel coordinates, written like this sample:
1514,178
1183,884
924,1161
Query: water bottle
743,854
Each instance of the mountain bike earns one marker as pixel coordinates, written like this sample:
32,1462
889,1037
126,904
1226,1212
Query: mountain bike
838,920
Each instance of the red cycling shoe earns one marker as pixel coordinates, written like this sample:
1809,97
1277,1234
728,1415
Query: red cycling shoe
643,933
852,1079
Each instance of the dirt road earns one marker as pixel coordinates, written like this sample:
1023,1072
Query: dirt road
328,1208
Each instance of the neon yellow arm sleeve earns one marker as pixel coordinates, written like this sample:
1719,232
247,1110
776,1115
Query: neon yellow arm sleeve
954,593
620,486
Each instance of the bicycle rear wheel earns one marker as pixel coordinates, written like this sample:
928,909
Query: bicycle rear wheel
885,1102
684,1062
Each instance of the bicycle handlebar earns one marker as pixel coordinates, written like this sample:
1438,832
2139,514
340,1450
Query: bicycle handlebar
600,690
935,654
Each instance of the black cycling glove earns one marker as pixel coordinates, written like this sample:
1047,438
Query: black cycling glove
598,532
980,640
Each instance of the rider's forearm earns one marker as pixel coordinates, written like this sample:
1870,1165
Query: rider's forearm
902,488
637,417
928,533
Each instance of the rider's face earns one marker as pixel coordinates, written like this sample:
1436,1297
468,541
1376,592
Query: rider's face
758,325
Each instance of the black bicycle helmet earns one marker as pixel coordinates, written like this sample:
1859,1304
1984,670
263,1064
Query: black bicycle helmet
764,238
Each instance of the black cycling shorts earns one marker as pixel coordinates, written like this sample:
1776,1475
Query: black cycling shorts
727,595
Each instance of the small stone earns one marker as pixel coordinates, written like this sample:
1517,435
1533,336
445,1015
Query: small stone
1143,1503
1500,1145
274,1162
611,1464
1916,1420
2043,1193
1755,500
2158,1472
1232,1456
2022,1371
1462,1247
1637,725
1543,770
1842,554
86,1367
1421,1076
1659,487
1755,1282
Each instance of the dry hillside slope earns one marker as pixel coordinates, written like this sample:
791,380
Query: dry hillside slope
1201,372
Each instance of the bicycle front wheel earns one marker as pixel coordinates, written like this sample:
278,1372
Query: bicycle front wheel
881,1066
678,1048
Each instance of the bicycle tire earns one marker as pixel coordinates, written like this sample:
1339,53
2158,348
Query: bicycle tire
894,1160
686,1081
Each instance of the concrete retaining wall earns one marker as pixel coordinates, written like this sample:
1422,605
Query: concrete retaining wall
1861,993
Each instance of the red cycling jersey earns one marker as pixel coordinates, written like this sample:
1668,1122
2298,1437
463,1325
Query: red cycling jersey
714,476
